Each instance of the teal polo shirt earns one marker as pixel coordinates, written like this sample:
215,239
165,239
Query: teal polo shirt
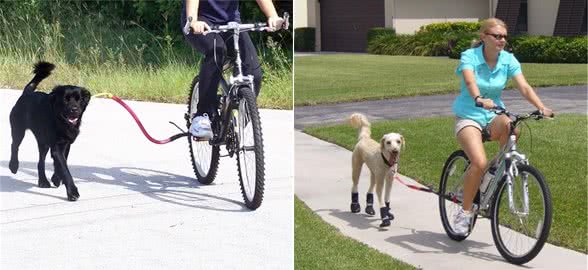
490,82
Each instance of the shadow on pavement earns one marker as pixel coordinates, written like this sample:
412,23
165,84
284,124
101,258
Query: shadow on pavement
154,184
352,219
417,241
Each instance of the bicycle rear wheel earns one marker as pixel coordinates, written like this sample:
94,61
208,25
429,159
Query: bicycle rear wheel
250,156
451,192
519,237
205,157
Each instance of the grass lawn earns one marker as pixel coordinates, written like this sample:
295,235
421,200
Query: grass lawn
318,245
168,83
353,77
559,150
124,59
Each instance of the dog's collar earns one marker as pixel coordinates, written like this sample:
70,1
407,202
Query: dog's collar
386,161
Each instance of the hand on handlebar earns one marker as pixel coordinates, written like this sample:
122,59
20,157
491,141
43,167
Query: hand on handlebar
275,23
485,103
547,112
199,27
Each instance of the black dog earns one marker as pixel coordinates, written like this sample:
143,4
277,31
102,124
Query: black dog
55,120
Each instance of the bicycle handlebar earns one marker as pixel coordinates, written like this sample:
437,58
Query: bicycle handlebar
538,114
237,26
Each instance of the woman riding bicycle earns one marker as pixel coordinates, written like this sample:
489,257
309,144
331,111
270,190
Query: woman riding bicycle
484,70
203,13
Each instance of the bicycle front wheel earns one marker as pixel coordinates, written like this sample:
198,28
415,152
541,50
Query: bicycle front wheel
205,157
520,236
451,192
250,159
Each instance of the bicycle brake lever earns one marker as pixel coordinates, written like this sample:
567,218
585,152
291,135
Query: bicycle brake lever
286,22
186,28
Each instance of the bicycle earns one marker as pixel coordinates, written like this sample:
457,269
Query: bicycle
236,123
514,195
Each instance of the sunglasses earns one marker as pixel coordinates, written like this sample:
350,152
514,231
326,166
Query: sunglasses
497,36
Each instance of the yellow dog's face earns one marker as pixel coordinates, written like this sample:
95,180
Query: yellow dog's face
392,143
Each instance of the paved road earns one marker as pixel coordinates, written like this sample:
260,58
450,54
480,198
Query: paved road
140,207
571,99
323,181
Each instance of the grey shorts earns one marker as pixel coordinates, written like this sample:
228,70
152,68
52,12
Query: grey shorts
461,123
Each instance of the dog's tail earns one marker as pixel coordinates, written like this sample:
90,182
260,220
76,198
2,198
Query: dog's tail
42,70
359,121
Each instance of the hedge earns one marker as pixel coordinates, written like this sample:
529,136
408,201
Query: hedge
380,31
537,49
304,39
452,38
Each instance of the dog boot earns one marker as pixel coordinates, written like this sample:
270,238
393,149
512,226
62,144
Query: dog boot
385,218
355,207
369,209
390,215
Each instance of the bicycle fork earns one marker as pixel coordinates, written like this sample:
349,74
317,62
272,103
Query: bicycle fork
514,158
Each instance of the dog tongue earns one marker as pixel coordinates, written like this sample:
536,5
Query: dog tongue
73,121
393,158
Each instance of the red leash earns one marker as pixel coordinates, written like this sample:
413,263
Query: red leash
425,189
153,140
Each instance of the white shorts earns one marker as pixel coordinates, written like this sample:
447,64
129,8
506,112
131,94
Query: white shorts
461,123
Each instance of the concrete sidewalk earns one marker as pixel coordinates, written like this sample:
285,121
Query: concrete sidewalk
323,182
140,207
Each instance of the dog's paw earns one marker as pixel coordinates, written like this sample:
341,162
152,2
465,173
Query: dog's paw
370,210
43,183
73,195
56,180
13,165
355,208
386,216
385,223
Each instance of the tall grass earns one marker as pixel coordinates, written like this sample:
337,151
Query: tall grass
120,57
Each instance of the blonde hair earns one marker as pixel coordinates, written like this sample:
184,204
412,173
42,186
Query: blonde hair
485,25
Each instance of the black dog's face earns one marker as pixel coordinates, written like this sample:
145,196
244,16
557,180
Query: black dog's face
69,103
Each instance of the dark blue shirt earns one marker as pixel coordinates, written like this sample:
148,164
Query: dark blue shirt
216,12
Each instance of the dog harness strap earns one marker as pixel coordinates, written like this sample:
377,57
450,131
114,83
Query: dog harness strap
386,161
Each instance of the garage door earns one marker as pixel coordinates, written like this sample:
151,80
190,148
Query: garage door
345,23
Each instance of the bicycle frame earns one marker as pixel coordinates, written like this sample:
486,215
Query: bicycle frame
229,98
508,160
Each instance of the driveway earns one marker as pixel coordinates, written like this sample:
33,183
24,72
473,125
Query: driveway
140,207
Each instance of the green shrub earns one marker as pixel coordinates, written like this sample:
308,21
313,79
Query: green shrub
304,39
460,44
437,39
450,28
450,39
544,49
380,31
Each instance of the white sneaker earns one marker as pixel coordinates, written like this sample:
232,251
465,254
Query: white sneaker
461,224
201,127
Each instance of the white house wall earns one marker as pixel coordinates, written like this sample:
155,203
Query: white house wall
409,15
300,14
541,16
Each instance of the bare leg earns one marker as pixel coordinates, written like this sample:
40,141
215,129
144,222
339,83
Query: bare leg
470,140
